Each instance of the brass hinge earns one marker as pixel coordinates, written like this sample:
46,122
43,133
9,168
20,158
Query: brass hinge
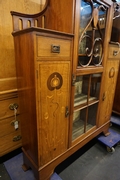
37,74
67,112
73,80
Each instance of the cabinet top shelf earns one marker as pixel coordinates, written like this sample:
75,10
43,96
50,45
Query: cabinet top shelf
42,30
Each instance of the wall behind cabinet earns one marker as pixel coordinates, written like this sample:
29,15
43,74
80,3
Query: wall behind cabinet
7,59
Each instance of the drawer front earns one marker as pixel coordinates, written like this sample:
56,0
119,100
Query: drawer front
10,142
113,52
7,126
5,111
53,48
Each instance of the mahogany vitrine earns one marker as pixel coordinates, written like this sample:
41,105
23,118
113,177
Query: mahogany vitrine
62,62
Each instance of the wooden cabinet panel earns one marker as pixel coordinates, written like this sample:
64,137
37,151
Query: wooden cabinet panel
116,103
108,91
53,88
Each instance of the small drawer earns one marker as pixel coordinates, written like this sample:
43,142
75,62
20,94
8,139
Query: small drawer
5,111
113,52
10,142
53,48
7,125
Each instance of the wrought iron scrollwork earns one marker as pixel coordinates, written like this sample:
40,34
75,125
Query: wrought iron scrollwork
93,49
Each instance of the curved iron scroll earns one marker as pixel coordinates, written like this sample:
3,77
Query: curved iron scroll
94,51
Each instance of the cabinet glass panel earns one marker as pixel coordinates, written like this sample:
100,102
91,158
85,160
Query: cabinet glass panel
87,89
91,33
86,99
83,120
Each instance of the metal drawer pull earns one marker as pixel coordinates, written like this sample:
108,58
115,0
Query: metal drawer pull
115,52
17,138
55,48
15,123
13,106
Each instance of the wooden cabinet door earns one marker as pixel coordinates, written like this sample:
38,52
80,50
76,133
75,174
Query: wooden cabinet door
108,91
53,105
116,103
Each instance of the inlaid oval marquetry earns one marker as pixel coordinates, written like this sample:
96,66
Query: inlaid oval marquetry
46,115
54,81
95,17
112,72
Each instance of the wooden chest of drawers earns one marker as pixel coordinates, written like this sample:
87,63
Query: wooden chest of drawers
10,136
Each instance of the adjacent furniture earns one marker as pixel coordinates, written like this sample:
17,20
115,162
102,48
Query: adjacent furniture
10,128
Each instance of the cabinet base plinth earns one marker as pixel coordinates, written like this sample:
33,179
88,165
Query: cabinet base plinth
39,174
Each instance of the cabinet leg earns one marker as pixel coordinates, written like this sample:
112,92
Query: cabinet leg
39,174
25,167
106,130
107,133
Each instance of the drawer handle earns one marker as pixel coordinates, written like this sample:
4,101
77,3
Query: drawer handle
13,122
17,138
13,106
55,48
116,52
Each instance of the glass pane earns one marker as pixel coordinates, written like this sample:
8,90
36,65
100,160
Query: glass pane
81,90
79,119
95,86
83,95
91,33
92,113
84,120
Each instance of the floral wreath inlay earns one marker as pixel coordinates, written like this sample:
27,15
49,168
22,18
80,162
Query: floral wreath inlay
54,81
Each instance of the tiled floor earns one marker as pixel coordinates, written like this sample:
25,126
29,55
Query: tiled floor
3,174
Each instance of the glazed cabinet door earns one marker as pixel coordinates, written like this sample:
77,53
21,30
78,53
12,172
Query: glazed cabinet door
88,70
53,108
86,99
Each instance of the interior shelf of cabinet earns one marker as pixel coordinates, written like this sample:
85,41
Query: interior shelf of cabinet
81,54
81,100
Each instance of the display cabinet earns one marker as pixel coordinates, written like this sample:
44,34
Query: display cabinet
62,70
